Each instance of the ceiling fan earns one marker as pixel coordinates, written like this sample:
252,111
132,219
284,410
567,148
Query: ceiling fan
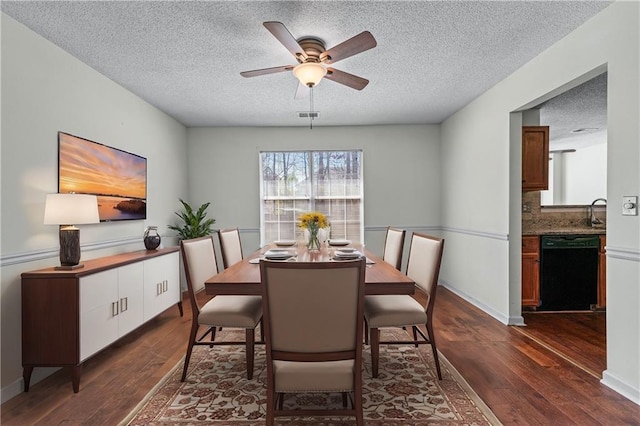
313,57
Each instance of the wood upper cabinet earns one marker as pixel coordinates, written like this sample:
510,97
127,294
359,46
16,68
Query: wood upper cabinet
535,158
602,273
531,271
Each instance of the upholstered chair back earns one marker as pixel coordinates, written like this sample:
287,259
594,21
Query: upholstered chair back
393,246
199,259
312,307
423,265
231,246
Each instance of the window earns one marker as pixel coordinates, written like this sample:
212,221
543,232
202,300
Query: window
292,183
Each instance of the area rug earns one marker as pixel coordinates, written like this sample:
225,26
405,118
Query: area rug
406,392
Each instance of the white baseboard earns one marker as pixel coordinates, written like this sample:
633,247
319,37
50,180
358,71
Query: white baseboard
621,387
517,321
17,387
475,302
11,391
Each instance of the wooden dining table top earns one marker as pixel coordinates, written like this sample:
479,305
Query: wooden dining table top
244,276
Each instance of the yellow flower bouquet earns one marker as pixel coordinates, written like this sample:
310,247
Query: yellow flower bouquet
313,222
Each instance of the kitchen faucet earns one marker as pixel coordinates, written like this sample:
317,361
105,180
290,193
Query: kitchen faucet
593,219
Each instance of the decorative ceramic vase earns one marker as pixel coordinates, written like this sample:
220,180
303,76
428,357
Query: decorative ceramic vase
151,238
313,243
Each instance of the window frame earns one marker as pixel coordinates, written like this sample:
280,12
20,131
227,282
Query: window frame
313,197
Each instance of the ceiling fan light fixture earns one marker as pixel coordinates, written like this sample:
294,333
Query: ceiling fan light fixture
310,73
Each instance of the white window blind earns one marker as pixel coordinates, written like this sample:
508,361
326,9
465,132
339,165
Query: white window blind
296,182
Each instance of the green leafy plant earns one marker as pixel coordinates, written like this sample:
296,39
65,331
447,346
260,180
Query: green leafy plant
193,225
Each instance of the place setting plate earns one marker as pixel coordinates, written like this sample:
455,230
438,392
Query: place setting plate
285,243
278,254
347,254
339,243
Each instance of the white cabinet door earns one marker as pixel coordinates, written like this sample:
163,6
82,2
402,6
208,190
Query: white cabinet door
98,314
161,284
173,293
130,297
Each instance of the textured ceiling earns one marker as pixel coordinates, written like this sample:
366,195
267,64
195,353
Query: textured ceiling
578,117
185,57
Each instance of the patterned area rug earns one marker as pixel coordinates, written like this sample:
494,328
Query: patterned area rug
406,392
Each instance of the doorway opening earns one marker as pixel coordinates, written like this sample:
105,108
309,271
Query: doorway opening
572,328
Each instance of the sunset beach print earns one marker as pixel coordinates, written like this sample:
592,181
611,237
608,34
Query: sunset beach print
117,177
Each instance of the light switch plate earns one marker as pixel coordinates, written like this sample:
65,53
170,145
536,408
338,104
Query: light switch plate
630,205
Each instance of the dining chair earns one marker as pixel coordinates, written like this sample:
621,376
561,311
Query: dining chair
423,267
392,254
230,246
313,322
199,259
393,246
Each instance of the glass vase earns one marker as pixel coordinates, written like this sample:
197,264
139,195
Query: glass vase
314,242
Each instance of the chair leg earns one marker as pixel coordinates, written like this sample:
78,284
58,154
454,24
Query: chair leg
366,332
375,351
250,336
271,406
357,406
344,399
280,399
434,349
213,336
187,357
415,334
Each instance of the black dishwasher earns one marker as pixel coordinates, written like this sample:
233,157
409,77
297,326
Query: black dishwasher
568,272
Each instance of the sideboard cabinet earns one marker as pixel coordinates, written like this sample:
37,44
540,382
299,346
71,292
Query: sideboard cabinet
68,316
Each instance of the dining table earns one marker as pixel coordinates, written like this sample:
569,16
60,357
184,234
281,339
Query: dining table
243,278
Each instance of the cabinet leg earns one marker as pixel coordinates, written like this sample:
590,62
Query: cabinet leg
76,371
26,376
180,308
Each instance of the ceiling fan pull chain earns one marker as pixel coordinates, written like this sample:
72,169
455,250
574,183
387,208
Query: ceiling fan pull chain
311,107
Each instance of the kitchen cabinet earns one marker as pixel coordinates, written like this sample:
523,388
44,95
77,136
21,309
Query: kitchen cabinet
530,271
70,315
535,158
602,273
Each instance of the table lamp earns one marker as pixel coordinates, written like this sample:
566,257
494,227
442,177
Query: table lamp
68,210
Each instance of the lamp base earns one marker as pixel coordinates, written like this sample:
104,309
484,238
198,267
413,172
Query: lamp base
69,246
68,267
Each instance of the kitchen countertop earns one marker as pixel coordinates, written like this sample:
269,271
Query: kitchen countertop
566,231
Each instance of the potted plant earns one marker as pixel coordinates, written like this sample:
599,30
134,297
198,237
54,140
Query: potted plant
194,224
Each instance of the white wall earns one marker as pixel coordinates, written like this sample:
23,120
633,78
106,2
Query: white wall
477,175
401,173
45,90
585,174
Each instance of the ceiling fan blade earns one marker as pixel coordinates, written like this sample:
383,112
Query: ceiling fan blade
347,79
302,91
284,36
360,43
264,71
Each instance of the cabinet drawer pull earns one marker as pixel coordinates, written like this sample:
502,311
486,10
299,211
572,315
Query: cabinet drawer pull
158,289
124,304
165,286
114,309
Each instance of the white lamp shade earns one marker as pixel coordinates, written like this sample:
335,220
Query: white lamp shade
71,209
310,73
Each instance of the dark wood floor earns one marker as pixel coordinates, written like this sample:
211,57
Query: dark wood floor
578,336
522,382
